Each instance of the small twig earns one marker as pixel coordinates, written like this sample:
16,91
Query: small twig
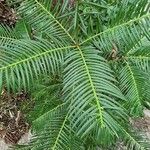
114,51
2,133
4,7
11,116
18,117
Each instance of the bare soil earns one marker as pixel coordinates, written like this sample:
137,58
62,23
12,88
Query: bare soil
13,124
8,15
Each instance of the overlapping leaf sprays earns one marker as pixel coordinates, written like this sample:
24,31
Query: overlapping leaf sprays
99,91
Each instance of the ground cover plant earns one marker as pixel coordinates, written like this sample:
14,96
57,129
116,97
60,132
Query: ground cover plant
86,63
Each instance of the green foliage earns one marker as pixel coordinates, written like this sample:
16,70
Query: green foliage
96,57
46,94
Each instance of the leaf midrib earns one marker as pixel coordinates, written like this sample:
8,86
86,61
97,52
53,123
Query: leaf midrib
134,82
59,134
35,56
115,27
82,56
56,21
93,87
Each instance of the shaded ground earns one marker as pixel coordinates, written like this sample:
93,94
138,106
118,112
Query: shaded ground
13,124
14,127
141,125
7,14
